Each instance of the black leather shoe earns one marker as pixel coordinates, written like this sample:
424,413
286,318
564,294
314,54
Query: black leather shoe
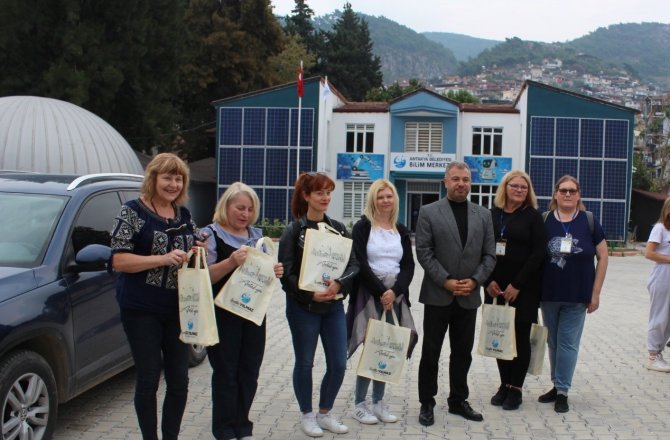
499,397
426,417
464,409
513,400
548,397
561,404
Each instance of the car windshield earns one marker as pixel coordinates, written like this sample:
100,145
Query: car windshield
28,221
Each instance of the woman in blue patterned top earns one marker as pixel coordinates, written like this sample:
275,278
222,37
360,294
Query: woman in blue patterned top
571,283
150,240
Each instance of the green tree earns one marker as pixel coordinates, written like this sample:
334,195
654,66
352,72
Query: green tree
230,43
462,95
300,23
347,57
285,64
105,57
642,174
393,91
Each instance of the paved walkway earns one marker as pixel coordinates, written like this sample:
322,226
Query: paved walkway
613,395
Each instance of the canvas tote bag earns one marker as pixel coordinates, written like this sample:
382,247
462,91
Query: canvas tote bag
496,336
248,291
384,350
325,257
538,346
196,302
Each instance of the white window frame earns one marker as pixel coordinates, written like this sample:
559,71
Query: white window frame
483,193
423,137
354,198
490,134
363,135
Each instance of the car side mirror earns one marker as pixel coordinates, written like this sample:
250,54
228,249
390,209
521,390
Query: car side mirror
91,258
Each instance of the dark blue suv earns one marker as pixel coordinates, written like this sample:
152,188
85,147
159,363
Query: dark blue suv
60,330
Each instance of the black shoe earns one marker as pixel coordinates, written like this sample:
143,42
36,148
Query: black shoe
548,397
465,410
513,399
561,404
426,417
499,397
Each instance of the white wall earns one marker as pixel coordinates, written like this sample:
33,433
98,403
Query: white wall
337,143
512,140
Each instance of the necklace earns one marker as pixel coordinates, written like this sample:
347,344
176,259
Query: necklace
165,219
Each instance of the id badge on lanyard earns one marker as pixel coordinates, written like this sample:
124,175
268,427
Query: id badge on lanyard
566,244
500,247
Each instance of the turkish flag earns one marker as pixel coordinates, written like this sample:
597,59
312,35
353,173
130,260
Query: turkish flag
301,86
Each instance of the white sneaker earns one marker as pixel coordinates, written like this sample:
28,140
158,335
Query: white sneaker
330,423
658,364
381,410
362,414
309,426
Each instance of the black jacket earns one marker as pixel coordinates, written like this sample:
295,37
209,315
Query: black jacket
291,247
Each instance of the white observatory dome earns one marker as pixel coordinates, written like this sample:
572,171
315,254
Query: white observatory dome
50,136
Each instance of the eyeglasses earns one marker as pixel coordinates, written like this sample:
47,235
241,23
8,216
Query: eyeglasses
566,191
315,173
516,187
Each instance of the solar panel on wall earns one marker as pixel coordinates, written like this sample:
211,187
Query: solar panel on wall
257,146
593,150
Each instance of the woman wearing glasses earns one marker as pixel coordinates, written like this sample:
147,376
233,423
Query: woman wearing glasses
236,360
150,239
658,251
312,315
520,243
571,282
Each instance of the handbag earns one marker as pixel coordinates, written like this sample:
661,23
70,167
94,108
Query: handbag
325,257
496,337
196,302
248,291
538,346
384,350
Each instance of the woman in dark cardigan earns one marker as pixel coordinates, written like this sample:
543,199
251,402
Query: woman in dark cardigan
383,249
520,248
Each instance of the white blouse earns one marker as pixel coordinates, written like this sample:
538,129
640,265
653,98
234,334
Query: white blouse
384,252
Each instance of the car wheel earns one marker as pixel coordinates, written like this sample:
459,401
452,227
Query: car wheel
196,354
28,397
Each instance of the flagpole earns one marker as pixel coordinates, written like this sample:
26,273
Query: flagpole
297,151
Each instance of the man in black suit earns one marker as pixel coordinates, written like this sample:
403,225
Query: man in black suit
455,245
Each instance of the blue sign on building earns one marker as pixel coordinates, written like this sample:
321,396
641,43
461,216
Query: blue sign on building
488,170
359,166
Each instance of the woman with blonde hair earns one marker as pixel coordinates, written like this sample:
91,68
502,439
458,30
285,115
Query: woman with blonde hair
658,251
520,242
571,283
150,240
384,251
236,360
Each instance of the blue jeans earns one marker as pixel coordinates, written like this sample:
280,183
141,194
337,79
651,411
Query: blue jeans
306,327
565,322
363,383
155,345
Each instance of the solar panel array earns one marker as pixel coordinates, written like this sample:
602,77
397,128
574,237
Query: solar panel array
595,151
257,146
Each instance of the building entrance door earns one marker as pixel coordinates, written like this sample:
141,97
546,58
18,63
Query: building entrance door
419,194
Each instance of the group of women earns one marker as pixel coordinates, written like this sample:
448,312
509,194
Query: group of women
545,261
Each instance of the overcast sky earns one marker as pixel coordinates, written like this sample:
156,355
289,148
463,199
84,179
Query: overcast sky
536,20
